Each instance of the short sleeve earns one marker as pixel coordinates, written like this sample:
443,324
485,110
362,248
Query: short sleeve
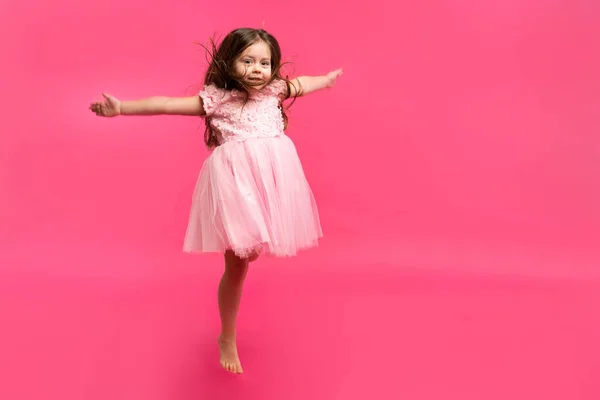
211,97
279,88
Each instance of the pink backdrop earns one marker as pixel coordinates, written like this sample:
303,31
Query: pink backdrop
451,118
462,136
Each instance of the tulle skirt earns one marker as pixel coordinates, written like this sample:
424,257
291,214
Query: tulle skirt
252,195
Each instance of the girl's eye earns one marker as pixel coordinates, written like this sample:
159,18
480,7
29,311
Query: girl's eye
247,61
266,64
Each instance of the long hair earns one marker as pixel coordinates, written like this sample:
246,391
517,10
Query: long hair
221,69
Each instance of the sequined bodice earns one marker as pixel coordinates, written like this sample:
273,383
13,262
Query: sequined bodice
233,120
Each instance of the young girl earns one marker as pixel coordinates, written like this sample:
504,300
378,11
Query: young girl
251,195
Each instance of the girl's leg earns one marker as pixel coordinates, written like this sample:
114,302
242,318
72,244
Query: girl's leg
230,294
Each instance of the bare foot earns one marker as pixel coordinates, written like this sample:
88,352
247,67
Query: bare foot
230,360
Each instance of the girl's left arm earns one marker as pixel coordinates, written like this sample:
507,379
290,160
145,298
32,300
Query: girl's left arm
304,85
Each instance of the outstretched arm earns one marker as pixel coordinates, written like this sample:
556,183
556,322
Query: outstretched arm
304,85
157,105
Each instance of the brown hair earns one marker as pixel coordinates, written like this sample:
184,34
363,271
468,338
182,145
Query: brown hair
221,68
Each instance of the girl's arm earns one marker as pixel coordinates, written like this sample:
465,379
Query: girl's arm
157,105
304,85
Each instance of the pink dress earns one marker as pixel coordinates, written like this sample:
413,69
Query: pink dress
251,193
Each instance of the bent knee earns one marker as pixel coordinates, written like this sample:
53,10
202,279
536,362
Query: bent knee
253,257
233,258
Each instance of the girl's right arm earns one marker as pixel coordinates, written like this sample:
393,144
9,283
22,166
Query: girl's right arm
157,105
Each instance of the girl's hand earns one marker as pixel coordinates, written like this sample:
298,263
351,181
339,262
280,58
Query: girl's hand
110,107
332,77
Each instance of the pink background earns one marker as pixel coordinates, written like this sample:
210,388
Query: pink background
462,140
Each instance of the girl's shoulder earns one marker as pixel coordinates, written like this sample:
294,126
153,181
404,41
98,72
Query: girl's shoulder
211,90
212,96
278,87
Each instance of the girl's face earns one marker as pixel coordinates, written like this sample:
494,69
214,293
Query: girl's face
254,65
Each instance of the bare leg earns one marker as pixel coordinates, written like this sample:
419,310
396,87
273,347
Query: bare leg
230,294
